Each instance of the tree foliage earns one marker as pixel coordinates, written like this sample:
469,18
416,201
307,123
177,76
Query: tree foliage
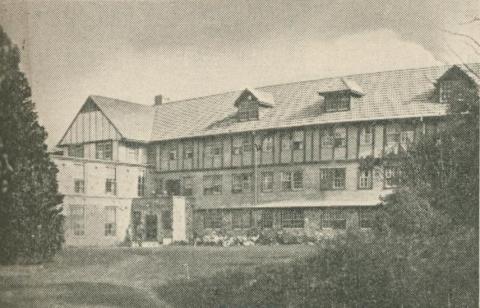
30,216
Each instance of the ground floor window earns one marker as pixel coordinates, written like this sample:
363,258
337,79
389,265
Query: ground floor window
332,178
266,220
77,217
241,219
391,177
292,180
365,179
213,219
292,218
365,219
79,186
110,221
241,183
334,219
212,184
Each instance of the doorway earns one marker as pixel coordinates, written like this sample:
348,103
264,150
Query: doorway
151,227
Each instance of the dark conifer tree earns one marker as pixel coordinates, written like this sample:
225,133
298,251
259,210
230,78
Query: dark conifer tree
30,212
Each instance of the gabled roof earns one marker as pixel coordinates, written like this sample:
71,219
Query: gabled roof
341,84
133,121
384,95
263,98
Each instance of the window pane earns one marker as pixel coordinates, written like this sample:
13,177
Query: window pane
77,216
292,218
267,182
266,219
298,180
110,221
286,181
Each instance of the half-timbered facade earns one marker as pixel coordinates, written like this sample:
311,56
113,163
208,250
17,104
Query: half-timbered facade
283,156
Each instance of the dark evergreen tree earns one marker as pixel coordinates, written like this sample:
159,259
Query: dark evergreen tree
30,212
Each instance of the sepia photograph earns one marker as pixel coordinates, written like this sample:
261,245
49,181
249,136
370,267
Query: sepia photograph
185,153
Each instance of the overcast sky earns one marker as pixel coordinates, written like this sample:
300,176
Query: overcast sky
135,50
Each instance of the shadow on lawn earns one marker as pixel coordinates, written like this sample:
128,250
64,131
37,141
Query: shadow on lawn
75,293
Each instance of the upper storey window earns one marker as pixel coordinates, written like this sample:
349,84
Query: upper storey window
104,150
250,102
76,150
456,85
452,90
337,101
338,93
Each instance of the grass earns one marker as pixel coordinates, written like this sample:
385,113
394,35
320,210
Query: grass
125,277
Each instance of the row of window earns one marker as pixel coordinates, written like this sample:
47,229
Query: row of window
330,179
286,218
103,150
332,138
111,185
78,220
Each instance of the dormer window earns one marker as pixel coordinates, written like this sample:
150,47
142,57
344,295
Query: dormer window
456,85
338,94
452,90
337,101
250,104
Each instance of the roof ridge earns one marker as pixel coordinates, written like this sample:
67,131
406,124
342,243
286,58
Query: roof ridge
119,99
323,78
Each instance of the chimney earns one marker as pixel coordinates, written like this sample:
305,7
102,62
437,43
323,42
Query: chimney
158,100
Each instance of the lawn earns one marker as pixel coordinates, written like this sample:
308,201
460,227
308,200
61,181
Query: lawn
126,277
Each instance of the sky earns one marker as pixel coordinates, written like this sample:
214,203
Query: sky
134,50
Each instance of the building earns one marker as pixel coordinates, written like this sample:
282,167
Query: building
282,156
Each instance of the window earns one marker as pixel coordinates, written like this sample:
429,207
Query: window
241,219
167,220
172,154
212,219
365,180
298,140
187,186
216,149
298,180
77,217
188,151
104,150
141,184
451,90
248,114
366,135
292,218
241,183
332,178
266,220
337,101
286,141
212,184
292,180
76,150
132,153
110,186
79,186
267,181
158,186
365,219
334,219
406,138
247,144
393,134
340,137
327,139
151,155
391,176
110,221
236,149
267,144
